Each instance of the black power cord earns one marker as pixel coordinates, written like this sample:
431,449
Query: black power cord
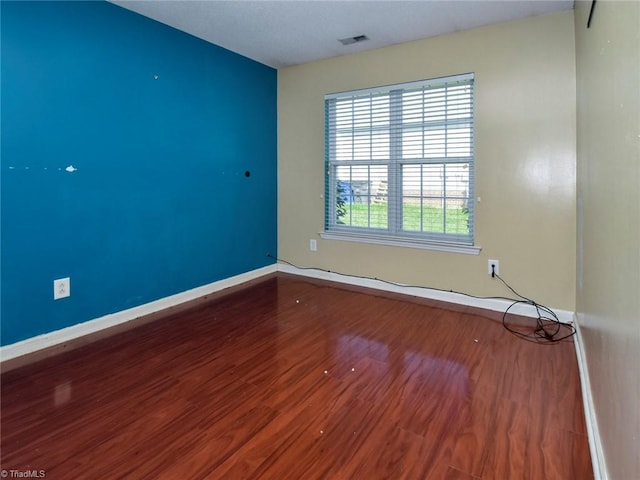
548,328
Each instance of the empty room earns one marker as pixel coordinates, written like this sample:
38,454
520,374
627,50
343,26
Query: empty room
317,239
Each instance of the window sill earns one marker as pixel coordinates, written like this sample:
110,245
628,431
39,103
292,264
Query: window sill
402,242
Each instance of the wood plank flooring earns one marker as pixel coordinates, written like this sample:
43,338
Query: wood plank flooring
298,379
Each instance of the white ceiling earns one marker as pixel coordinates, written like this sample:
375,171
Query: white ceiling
291,32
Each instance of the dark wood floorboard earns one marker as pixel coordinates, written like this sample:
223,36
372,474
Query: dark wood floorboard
299,379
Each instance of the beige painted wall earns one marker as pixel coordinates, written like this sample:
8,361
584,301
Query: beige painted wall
608,163
525,158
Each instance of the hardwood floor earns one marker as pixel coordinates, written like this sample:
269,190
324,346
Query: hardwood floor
297,379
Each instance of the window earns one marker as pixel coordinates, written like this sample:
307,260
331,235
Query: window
399,163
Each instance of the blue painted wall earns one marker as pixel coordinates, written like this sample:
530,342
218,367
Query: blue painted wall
160,202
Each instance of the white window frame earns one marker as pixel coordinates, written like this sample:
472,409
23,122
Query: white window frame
394,234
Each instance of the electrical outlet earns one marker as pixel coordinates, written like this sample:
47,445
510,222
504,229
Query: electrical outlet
61,288
493,266
313,246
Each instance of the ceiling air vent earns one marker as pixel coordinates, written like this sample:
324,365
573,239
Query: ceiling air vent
352,40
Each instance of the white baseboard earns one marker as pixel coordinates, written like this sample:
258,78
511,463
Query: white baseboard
595,442
51,339
488,304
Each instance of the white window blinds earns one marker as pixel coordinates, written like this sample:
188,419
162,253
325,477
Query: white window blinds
399,161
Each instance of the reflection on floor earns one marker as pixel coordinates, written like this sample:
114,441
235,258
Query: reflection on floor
301,379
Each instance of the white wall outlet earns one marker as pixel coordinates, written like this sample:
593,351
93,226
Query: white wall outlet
61,288
313,245
493,266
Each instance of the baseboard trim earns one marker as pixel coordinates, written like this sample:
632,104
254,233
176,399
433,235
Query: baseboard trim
60,338
48,344
449,297
593,434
